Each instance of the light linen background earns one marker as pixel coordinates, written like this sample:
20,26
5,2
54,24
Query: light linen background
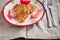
8,31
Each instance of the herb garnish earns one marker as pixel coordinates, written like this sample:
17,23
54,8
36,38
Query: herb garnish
36,2
33,20
23,10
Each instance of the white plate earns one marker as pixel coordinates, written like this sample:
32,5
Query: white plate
28,21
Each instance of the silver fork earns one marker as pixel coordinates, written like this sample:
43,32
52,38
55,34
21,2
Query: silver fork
46,14
42,24
52,20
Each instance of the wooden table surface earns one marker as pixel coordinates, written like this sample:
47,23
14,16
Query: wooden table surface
8,31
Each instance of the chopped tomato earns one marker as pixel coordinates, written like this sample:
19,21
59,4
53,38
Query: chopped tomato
25,2
35,13
10,14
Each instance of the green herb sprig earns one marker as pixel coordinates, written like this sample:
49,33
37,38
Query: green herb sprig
23,10
36,2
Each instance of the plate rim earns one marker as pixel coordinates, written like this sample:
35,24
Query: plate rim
44,12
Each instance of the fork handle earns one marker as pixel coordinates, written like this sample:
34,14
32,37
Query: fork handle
52,20
45,4
47,20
